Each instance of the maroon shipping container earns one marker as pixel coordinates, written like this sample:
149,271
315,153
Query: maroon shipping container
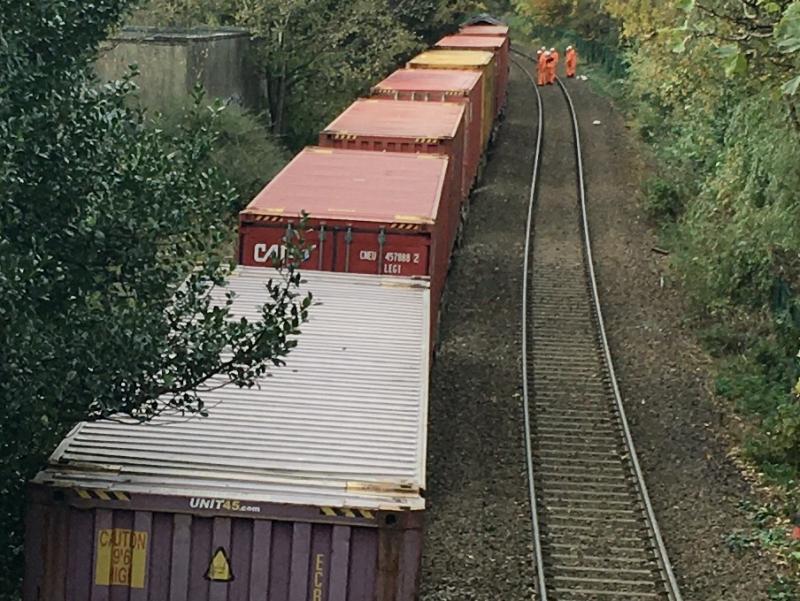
382,213
305,487
404,126
443,86
499,45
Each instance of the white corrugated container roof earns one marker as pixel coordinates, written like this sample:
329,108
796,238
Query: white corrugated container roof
343,424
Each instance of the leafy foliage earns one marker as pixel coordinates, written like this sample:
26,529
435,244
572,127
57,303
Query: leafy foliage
244,152
317,55
714,87
109,238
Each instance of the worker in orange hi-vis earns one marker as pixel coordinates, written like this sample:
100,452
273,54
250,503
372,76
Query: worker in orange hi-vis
541,69
549,68
553,71
572,61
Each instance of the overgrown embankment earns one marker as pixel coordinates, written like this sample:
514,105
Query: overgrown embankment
714,93
713,88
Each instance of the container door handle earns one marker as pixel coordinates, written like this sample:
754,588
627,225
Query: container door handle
287,239
348,238
381,242
321,245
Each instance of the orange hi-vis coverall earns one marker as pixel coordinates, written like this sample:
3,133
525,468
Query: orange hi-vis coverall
554,67
549,68
572,62
541,68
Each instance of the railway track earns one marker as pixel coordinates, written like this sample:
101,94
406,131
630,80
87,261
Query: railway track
595,532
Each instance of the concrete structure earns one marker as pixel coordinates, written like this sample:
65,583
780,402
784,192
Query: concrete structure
171,62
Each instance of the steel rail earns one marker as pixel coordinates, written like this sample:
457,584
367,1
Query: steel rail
661,555
663,558
537,541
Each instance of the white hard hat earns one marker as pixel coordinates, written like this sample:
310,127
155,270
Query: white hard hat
569,47
552,49
544,48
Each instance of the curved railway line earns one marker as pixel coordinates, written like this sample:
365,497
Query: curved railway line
594,529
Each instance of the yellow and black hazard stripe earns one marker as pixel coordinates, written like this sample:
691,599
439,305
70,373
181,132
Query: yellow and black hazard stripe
404,226
346,512
103,495
426,140
271,218
344,136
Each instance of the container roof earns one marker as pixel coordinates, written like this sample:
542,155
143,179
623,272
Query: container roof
453,58
471,41
485,29
431,80
399,119
343,424
356,185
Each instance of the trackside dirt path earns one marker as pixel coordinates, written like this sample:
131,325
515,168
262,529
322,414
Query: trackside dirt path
478,540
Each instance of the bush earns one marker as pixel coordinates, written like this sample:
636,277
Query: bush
245,152
662,199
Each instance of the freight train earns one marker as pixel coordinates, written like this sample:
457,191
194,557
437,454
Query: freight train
310,485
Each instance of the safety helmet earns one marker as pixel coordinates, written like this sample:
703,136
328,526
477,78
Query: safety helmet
538,52
552,49
569,47
544,48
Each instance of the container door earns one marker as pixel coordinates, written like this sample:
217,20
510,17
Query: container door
260,244
381,253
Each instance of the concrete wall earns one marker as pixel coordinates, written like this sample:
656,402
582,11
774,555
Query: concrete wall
170,63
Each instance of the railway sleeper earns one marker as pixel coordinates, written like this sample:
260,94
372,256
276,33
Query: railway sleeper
615,584
642,553
589,594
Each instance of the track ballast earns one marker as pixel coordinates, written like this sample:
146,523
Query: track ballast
595,533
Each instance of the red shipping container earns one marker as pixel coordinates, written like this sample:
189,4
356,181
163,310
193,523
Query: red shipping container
380,213
308,486
405,126
499,45
443,86
493,30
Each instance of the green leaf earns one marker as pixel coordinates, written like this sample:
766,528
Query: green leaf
790,87
787,32
728,50
736,65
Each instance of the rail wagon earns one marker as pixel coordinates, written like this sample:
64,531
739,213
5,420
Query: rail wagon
465,60
498,45
381,213
403,126
441,85
305,487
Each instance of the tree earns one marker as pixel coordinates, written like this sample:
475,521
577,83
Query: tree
317,55
110,242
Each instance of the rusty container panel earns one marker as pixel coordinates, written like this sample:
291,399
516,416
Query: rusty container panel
498,45
128,550
442,85
403,126
376,213
466,60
